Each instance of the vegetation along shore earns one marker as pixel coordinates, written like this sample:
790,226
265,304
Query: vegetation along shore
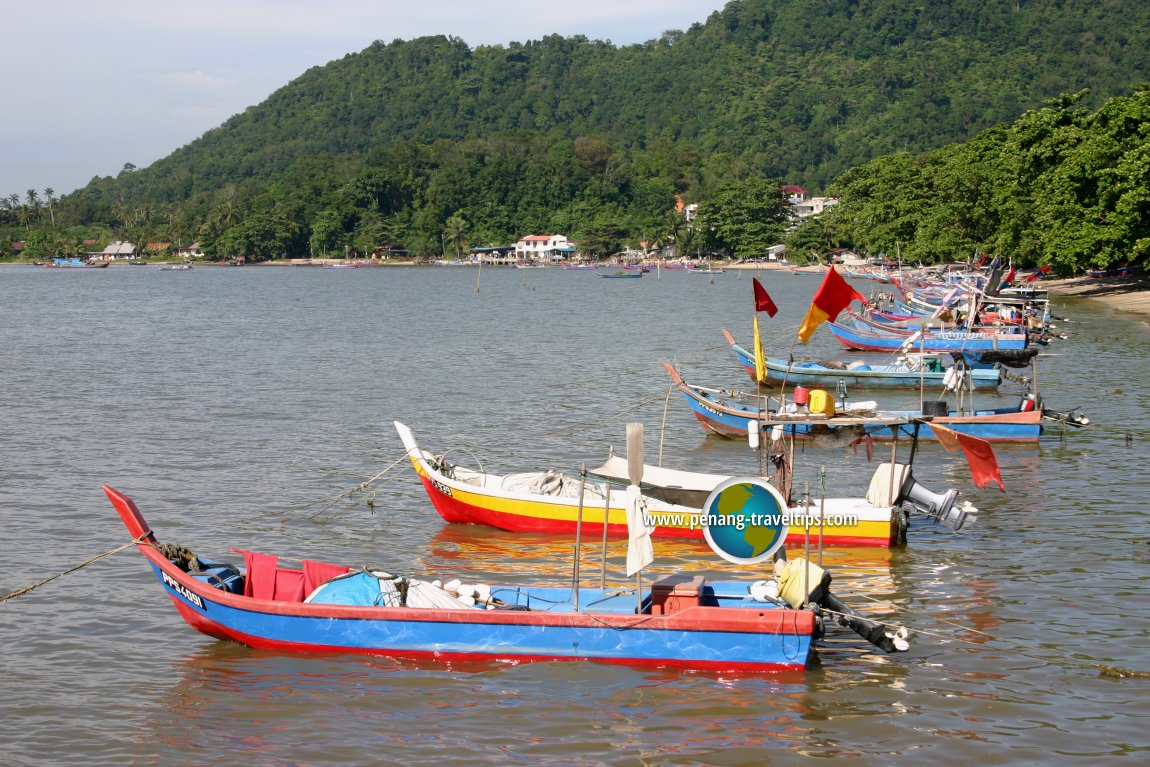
935,134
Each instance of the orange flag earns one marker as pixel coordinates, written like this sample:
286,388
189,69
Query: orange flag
979,454
834,295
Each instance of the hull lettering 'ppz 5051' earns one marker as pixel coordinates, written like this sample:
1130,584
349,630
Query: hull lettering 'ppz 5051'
182,590
441,487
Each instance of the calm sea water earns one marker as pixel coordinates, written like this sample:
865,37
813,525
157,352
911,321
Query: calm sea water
236,405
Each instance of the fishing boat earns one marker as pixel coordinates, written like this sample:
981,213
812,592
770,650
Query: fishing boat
622,274
680,620
910,371
557,503
720,413
176,267
75,263
1122,271
957,340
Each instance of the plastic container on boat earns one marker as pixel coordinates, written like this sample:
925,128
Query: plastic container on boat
801,395
821,402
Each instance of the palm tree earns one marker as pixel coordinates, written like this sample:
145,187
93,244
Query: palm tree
454,229
50,196
20,212
690,238
33,204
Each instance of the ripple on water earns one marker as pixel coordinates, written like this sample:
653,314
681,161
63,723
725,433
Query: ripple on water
236,404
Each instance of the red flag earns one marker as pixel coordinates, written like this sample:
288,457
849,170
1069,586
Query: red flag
834,295
1039,273
979,454
763,302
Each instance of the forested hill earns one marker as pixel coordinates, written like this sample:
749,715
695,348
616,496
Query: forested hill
429,142
796,89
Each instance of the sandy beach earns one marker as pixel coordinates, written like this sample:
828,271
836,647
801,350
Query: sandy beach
1128,294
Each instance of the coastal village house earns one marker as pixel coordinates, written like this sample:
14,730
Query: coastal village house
154,249
187,252
803,204
115,251
544,247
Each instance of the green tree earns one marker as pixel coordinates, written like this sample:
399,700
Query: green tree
326,234
454,230
259,237
745,218
881,202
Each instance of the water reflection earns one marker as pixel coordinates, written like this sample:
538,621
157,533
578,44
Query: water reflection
218,430
271,709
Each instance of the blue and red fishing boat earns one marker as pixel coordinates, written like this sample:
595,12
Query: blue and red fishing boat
678,621
911,372
720,413
952,340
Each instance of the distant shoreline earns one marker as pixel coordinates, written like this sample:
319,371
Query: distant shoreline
1128,294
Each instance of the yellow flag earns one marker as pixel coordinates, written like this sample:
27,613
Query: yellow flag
760,361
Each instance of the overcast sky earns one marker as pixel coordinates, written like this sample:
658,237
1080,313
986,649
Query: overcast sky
89,85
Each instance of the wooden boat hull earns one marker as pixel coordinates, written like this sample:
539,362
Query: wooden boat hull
944,341
719,628
845,522
730,419
878,377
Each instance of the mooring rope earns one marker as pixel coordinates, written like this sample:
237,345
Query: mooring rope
38,584
360,487
614,416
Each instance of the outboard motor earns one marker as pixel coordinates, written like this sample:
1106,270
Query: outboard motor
913,496
1069,417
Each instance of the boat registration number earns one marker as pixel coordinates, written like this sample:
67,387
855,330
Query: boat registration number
182,590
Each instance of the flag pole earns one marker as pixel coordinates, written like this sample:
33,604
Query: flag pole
787,373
